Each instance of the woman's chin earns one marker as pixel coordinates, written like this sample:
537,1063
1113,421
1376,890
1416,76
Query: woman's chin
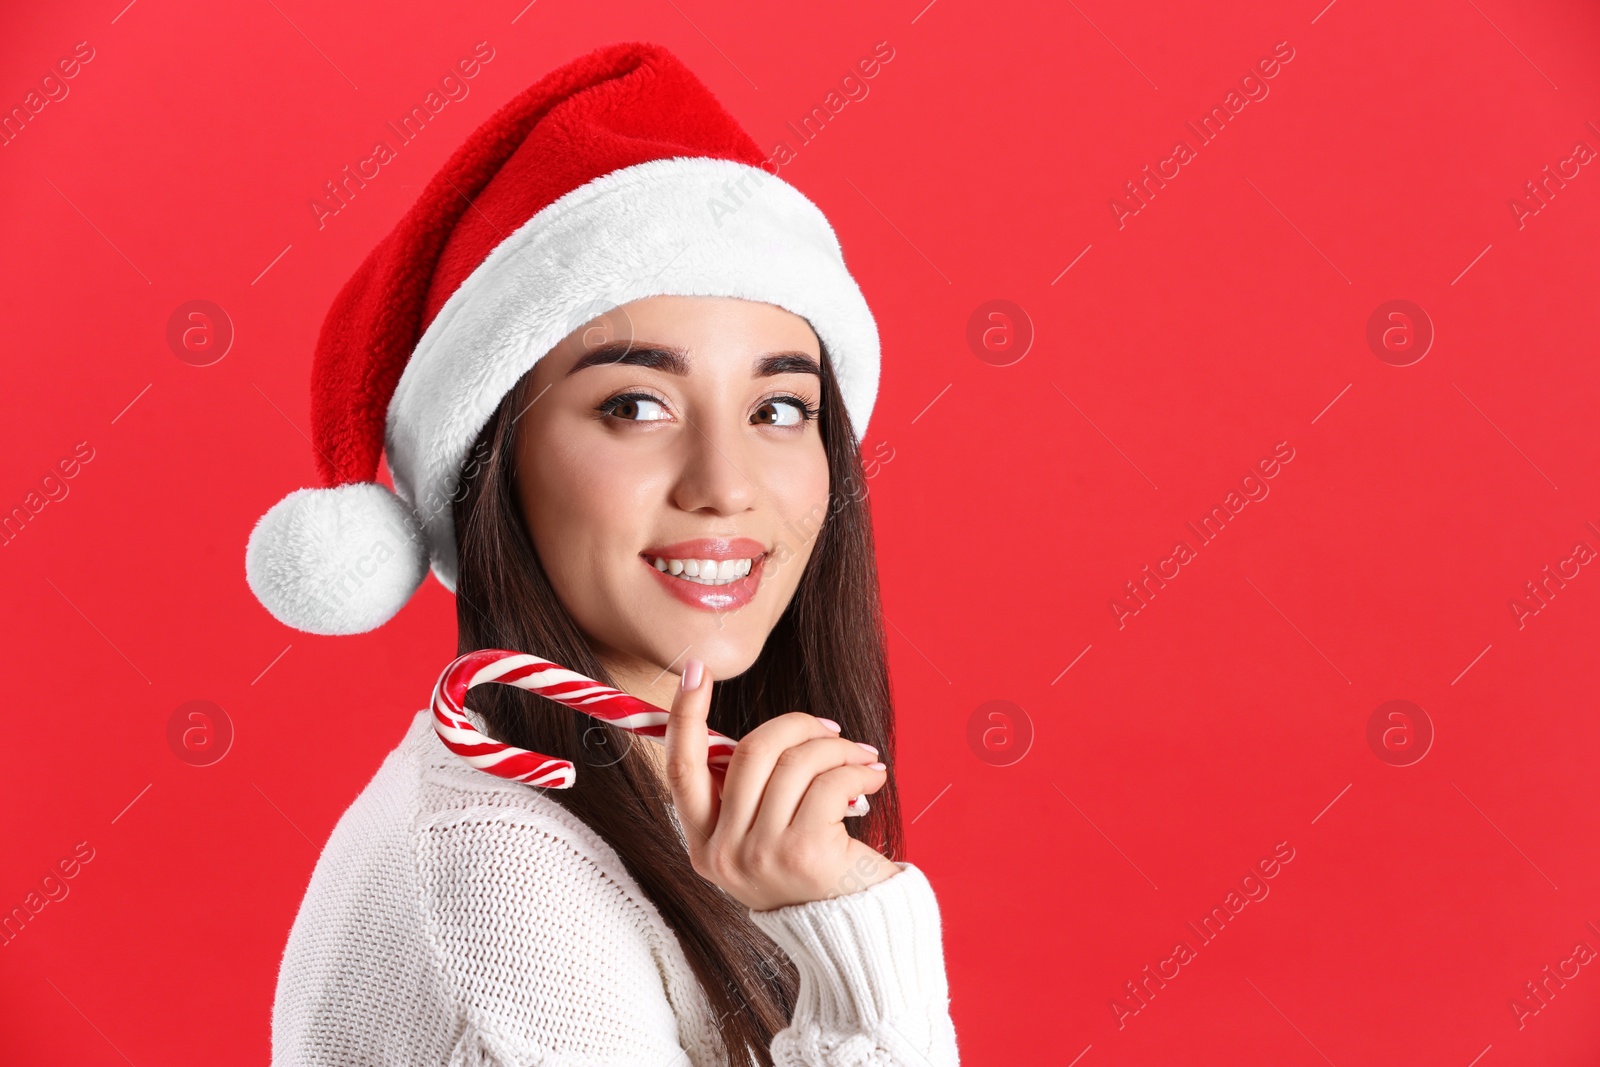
724,654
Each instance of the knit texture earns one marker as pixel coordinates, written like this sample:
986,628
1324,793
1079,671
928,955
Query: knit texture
456,918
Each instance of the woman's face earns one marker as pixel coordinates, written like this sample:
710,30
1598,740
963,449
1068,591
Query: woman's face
670,432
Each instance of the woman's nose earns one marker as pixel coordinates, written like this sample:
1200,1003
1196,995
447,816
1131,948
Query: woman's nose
716,472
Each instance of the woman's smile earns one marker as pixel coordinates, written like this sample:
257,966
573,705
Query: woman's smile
710,573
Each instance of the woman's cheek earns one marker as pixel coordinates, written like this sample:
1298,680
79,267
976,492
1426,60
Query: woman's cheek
594,477
568,508
802,490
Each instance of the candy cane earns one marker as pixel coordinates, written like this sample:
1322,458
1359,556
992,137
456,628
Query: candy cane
537,675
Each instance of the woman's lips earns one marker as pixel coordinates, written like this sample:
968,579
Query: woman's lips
734,594
718,548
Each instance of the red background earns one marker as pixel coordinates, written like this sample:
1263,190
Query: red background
1229,314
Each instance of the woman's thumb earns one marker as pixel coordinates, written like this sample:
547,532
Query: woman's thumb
688,775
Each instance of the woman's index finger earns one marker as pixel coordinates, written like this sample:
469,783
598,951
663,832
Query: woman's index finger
694,792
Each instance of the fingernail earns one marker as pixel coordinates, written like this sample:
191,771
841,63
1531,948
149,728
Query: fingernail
830,724
693,671
880,765
868,747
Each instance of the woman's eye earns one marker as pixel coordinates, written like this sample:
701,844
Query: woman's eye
635,407
783,411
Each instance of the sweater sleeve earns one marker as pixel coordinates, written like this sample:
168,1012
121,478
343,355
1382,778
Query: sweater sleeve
873,990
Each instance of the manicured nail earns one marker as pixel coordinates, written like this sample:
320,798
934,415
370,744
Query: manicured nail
693,671
830,724
880,765
868,747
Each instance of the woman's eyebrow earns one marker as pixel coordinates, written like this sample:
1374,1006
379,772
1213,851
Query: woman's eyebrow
635,353
674,360
787,363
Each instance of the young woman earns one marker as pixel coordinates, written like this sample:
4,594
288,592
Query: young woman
666,497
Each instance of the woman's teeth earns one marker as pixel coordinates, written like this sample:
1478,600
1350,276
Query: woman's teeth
705,571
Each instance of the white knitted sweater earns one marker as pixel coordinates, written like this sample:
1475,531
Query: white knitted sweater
457,918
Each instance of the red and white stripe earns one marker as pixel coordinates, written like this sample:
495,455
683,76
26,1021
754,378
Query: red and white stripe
548,679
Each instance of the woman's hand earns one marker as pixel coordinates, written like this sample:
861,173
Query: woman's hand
770,830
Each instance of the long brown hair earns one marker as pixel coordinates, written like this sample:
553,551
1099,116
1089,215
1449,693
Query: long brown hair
825,656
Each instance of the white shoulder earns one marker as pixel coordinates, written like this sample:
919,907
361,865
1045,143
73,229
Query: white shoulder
542,937
456,918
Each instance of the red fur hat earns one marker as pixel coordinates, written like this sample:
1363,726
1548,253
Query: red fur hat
616,177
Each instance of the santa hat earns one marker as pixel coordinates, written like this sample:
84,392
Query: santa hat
616,177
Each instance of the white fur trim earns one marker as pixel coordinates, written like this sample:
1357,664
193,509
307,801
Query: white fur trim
336,561
679,227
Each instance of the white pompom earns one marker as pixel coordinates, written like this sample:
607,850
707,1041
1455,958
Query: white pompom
336,561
